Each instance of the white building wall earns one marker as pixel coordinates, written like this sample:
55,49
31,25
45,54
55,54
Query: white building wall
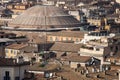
13,72
4,69
97,37
23,68
101,52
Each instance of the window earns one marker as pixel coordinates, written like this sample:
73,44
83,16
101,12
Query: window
116,49
77,40
11,51
2,37
7,73
25,71
56,39
15,52
97,49
66,39
71,39
17,78
6,77
61,39
6,51
51,39
111,48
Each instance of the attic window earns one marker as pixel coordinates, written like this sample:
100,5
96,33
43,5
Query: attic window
97,49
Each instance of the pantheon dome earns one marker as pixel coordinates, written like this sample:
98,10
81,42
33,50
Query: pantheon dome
42,17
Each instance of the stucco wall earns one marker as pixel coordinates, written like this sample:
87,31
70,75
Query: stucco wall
13,72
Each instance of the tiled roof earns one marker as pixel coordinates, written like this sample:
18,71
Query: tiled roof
65,47
47,67
77,58
16,46
77,34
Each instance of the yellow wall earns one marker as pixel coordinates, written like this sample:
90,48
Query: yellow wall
75,64
11,53
60,38
95,22
107,27
10,6
17,11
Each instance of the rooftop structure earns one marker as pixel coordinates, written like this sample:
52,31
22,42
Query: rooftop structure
43,18
12,69
75,36
65,47
16,46
11,62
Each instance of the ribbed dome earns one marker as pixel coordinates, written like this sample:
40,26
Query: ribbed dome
42,17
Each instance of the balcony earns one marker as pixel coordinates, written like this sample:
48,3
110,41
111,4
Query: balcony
7,78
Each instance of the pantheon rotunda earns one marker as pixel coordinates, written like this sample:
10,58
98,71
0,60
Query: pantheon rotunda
38,21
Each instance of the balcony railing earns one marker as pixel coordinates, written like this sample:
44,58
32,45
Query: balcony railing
7,78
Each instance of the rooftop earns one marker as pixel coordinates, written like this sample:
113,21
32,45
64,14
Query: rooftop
11,62
44,17
79,34
77,58
16,46
47,67
65,47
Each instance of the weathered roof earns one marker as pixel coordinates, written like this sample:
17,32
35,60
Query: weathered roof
78,34
47,67
77,58
11,62
43,17
65,47
16,46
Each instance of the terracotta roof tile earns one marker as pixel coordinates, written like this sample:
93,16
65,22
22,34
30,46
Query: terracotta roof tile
65,47
77,58
16,46
77,34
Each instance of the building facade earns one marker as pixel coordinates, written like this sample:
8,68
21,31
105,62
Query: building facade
12,69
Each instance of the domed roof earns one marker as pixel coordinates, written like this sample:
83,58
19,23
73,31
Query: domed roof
44,17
